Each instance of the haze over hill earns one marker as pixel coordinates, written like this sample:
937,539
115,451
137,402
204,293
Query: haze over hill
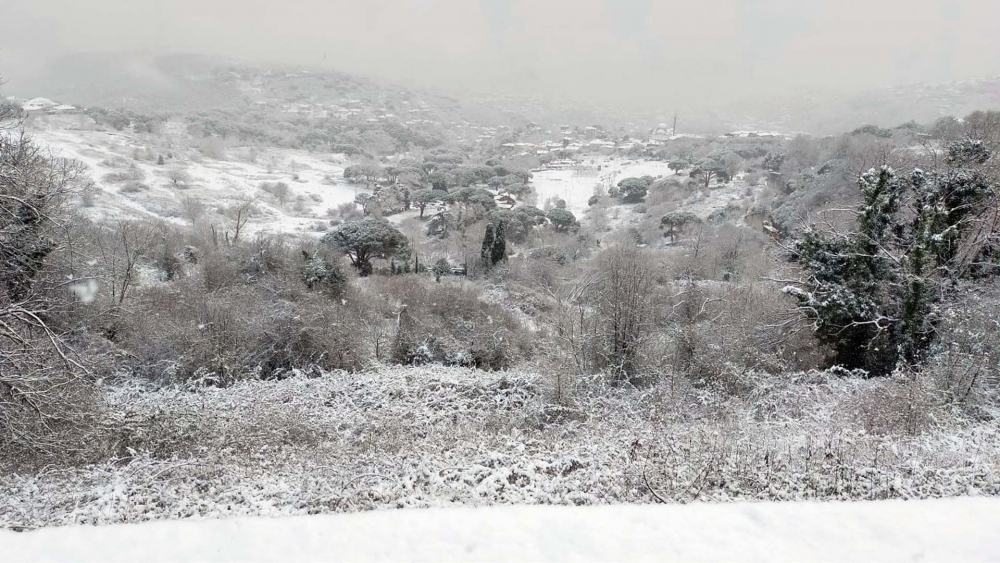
659,56
183,83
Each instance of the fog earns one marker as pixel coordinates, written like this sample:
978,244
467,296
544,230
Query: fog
635,52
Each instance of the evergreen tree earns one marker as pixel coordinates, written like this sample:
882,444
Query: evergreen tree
873,294
365,240
499,251
319,274
487,251
441,267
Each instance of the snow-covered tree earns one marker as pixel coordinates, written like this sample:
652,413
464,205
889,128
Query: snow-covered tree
364,240
323,275
873,293
633,190
709,169
675,222
423,198
562,220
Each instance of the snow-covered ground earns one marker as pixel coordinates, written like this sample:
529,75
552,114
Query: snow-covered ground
576,184
928,530
215,183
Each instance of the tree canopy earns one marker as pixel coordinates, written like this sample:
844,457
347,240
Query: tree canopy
675,222
633,190
364,240
562,220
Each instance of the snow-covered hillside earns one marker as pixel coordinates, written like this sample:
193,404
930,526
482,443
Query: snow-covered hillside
159,191
929,530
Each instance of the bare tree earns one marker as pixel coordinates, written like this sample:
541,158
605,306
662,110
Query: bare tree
193,208
239,214
120,246
11,115
45,402
621,295
178,176
733,164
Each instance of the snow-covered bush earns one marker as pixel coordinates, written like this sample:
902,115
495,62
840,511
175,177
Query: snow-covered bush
233,333
449,324
434,436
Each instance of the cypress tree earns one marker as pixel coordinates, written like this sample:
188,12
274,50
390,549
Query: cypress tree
499,251
487,252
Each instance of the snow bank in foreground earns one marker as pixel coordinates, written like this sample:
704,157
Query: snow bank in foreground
928,530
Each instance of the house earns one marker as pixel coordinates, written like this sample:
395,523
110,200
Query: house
505,201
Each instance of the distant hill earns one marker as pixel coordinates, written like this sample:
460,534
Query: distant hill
825,113
190,83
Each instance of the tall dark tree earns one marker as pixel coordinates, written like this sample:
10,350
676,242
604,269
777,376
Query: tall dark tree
487,251
499,251
873,293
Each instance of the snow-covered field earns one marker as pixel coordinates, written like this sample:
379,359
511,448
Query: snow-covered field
576,184
930,530
317,179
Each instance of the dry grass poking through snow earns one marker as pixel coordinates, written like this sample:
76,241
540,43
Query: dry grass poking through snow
431,436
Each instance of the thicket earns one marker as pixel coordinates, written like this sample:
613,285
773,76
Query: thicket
680,323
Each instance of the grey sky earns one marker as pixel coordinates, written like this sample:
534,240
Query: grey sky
633,51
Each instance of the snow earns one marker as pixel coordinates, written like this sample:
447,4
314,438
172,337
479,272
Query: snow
37,104
576,184
932,530
441,437
215,183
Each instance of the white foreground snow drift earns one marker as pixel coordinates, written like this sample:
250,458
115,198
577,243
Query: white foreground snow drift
928,530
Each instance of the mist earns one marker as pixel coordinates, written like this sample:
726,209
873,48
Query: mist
628,52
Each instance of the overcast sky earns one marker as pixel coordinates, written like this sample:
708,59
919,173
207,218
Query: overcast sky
635,51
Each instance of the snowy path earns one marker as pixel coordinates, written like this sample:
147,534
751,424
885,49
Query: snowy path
931,530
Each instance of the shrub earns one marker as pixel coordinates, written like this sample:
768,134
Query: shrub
133,188
235,333
322,275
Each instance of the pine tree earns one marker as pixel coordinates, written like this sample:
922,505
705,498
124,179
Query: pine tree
487,251
499,251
